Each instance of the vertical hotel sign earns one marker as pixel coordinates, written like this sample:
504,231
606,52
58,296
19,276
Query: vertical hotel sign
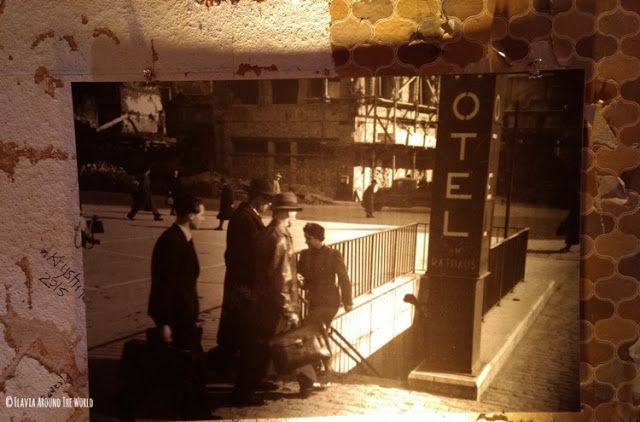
464,176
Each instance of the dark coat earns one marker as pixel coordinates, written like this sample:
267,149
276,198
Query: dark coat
319,267
244,227
368,199
174,274
142,194
226,203
276,288
174,186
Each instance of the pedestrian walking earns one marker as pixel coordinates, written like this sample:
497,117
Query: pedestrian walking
242,233
142,197
174,189
276,305
319,267
368,199
173,300
275,183
226,204
570,226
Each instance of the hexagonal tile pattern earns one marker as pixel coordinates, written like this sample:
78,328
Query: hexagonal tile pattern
574,24
395,30
372,10
619,24
616,330
597,46
596,7
630,309
603,38
597,352
594,310
530,27
418,10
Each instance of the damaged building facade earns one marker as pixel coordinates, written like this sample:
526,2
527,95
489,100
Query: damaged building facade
333,135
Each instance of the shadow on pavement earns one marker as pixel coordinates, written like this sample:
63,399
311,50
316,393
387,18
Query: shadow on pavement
547,251
159,402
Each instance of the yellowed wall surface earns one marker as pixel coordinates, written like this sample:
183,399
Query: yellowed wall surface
44,46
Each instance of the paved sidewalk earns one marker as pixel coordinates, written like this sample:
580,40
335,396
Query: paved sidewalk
540,375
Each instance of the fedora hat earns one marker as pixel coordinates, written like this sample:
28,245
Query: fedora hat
287,201
259,187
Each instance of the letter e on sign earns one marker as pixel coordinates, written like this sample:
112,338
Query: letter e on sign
451,187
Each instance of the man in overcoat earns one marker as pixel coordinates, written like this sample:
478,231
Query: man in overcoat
143,198
276,304
368,199
242,233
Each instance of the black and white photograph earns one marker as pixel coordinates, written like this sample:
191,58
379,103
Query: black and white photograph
333,246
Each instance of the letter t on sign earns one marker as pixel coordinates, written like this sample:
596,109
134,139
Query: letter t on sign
463,142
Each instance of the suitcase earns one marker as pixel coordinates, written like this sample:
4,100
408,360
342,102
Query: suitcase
307,344
148,365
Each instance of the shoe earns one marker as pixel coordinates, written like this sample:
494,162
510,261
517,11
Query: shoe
321,386
130,217
268,386
306,386
157,218
305,392
246,399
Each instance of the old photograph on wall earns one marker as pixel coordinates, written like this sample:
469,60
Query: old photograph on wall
320,247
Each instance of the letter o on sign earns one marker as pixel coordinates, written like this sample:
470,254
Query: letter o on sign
476,106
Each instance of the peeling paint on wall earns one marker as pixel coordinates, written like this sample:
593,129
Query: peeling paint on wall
52,83
42,37
71,41
53,348
10,154
105,31
23,263
246,67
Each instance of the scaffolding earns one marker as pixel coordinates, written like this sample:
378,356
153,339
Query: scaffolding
396,116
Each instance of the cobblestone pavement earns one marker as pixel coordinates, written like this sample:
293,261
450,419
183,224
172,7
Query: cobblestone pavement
542,373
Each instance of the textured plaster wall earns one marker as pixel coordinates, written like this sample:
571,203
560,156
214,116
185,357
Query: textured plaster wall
46,46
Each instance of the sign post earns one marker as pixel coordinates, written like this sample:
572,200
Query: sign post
464,182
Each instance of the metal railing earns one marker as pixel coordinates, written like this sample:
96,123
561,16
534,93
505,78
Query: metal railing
379,258
507,265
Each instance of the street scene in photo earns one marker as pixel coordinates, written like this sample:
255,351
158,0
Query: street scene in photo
452,200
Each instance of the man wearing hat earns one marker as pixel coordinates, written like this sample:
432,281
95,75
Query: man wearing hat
276,306
245,225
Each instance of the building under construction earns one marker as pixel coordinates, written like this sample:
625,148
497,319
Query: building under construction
333,134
